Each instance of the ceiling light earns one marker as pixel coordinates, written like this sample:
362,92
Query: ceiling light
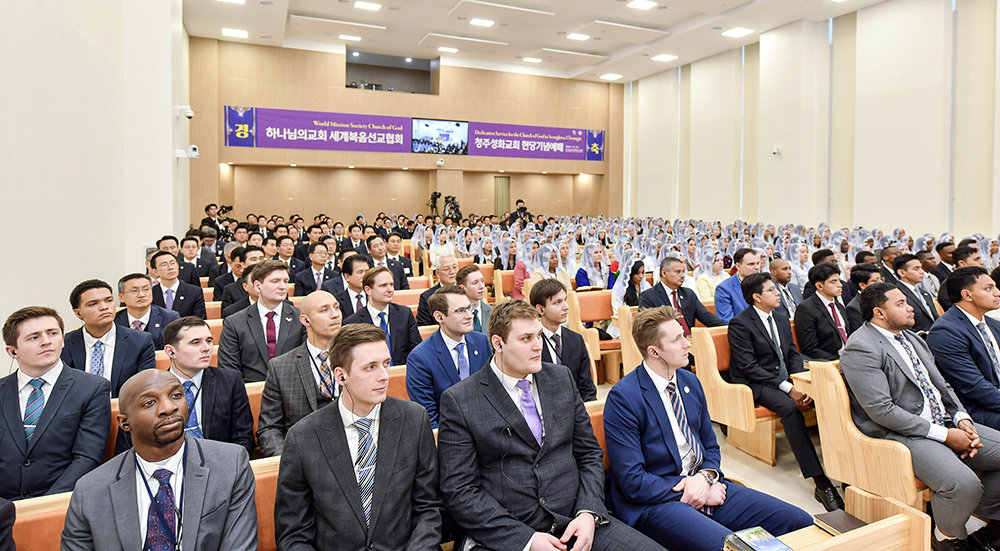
610,76
350,38
500,171
480,22
447,49
240,2
578,36
409,60
737,32
545,172
531,60
230,163
355,54
641,4
293,165
234,33
370,6
664,58
404,168
350,166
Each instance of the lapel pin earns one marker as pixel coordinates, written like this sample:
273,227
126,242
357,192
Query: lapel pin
288,319
180,297
687,390
157,325
475,352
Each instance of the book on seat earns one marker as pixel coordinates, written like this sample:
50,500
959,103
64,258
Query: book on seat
754,539
837,522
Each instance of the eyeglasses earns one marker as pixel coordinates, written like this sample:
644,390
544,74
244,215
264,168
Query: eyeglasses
137,290
460,311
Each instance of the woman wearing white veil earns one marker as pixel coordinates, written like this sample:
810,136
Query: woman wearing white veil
546,266
709,275
592,273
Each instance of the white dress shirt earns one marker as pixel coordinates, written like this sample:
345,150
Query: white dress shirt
784,386
373,312
174,464
547,339
683,446
451,344
262,311
144,319
353,435
315,362
384,262
510,385
24,389
196,390
109,349
989,333
354,295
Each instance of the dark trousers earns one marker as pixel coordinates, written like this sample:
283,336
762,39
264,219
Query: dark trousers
795,429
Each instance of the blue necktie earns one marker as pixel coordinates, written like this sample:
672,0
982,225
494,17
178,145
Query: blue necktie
33,409
989,347
384,326
477,325
160,536
97,362
463,362
191,427
365,464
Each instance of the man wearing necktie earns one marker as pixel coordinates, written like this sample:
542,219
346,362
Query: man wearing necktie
395,320
472,280
821,319
136,292
909,277
791,295
562,345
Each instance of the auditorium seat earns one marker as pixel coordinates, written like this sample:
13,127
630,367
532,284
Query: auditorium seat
397,382
209,293
297,301
487,270
595,307
596,410
426,331
203,282
163,361
592,341
213,310
631,355
506,282
710,306
407,297
109,448
419,282
464,262
215,326
255,391
265,472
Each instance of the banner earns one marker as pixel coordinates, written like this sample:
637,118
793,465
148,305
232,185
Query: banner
535,142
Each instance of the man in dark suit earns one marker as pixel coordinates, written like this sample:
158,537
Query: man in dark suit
286,254
669,485
361,474
862,275
312,278
728,295
214,481
964,342
39,456
355,240
395,320
376,246
897,393
185,273
212,217
669,292
449,355
100,347
226,272
791,295
394,251
218,407
826,256
172,293
234,292
562,346
300,381
964,256
945,267
887,257
763,357
507,438
191,259
136,292
353,298
820,321
909,276
313,234
8,515
445,270
471,279
264,330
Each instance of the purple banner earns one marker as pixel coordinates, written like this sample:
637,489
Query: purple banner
536,142
284,128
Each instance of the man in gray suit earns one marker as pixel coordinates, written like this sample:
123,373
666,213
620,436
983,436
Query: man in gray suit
213,480
508,435
470,278
791,295
301,381
361,474
266,329
898,393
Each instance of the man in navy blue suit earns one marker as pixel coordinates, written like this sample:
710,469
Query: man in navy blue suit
136,292
172,293
666,478
395,320
39,456
311,278
562,346
100,347
729,299
964,342
448,356
670,292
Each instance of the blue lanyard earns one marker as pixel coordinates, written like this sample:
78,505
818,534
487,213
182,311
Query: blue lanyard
156,506
321,381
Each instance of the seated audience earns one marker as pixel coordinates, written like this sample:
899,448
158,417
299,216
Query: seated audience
561,345
225,272
173,294
710,276
669,292
887,256
338,485
313,235
826,256
243,303
64,414
897,393
395,320
286,252
791,295
728,295
963,256
862,275
355,240
266,329
946,265
929,262
135,501
235,292
394,252
445,270
377,248
136,292
191,259
449,355
666,479
820,325
352,298
316,274
185,272
909,275
470,278
503,472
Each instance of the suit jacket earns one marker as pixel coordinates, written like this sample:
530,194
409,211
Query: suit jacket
361,247
61,451
233,293
133,352
847,292
692,307
922,321
403,333
305,283
964,361
7,516
854,319
484,322
346,300
430,369
318,502
499,485
236,307
290,394
294,265
243,345
729,299
753,360
219,512
225,408
424,316
793,289
942,272
576,358
816,330
335,284
406,264
645,463
186,273
189,300
219,285
158,319
888,275
202,265
943,299
885,396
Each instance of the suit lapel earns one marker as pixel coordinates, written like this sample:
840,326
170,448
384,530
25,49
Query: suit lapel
118,362
389,435
208,390
901,363
194,487
497,395
759,326
655,403
304,367
444,355
125,504
14,418
333,442
287,319
78,350
56,397
253,323
551,411
660,290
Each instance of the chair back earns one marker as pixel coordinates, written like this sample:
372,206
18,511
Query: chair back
419,282
397,382
596,411
595,305
255,392
487,270
407,297
631,355
506,281
213,310
426,331
728,404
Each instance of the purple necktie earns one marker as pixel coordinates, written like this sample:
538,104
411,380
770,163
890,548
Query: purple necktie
358,306
272,337
137,325
530,411
168,301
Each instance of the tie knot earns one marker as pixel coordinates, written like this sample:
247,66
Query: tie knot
381,316
323,356
270,315
163,475
672,388
524,385
98,346
900,338
170,292
459,347
982,326
188,385
37,383
363,425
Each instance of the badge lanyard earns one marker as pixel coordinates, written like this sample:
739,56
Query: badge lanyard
158,511
321,381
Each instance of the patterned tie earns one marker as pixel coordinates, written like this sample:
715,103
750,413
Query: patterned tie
463,362
97,361
365,464
682,423
384,326
929,302
272,336
169,300
160,536
137,325
319,280
33,410
477,326
358,306
192,426
789,301
925,386
989,347
782,368
530,410
557,346
836,320
324,372
684,323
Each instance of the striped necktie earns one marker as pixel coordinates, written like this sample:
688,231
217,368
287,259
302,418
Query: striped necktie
365,464
33,409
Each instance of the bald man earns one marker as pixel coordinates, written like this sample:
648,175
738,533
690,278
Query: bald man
300,381
791,295
143,484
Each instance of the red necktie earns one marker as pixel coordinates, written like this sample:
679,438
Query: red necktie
684,323
272,337
836,319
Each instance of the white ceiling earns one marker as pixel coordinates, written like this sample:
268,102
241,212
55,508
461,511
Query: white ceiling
623,40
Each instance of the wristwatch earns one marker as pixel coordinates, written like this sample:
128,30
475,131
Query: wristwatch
598,519
711,476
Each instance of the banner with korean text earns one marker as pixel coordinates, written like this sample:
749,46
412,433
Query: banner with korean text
536,142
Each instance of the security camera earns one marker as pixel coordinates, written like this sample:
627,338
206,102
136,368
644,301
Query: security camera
440,161
190,153
186,111
189,113
776,150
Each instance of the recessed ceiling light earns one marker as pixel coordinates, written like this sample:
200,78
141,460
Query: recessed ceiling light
481,22
641,4
409,60
355,54
293,165
350,166
582,174
737,32
370,6
531,60
610,76
234,33
500,171
663,58
350,38
404,168
545,172
447,49
240,2
578,36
